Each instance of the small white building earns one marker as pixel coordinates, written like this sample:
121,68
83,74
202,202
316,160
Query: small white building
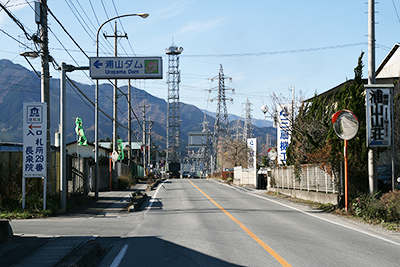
86,151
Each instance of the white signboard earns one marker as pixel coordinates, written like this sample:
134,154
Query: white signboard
35,136
125,67
283,132
252,144
378,115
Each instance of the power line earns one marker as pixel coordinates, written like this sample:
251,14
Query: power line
295,51
395,9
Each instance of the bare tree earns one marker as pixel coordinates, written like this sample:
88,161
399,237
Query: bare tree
235,153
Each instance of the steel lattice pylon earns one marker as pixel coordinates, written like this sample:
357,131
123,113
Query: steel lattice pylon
221,127
247,132
173,112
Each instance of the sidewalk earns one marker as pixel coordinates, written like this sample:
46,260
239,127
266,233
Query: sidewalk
49,251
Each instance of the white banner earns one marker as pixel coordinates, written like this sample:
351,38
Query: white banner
252,144
378,113
283,132
35,136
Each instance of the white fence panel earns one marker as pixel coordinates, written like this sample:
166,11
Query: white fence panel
312,178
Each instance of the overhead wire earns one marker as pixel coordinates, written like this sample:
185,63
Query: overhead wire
90,34
87,57
395,9
19,24
116,11
294,51
72,84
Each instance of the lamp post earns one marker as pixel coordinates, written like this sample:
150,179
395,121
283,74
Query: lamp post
96,137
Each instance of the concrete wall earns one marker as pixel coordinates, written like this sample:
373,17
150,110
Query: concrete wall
247,177
309,195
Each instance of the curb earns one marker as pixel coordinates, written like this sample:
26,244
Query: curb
136,205
82,256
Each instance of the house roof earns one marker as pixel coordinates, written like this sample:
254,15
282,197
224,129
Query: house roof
390,66
134,145
387,72
349,82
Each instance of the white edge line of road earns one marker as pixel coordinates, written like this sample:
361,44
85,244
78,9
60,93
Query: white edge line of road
315,216
152,200
323,219
119,257
123,250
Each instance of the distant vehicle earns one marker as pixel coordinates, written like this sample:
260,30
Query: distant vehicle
186,174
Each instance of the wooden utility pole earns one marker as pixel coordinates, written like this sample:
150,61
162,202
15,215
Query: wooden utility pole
115,95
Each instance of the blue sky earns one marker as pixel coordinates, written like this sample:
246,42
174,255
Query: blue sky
265,46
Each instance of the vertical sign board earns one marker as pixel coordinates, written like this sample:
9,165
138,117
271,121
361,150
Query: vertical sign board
283,132
35,145
378,115
252,144
35,136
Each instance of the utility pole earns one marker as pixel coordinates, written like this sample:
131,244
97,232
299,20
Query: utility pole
144,138
372,175
115,95
129,124
149,140
45,80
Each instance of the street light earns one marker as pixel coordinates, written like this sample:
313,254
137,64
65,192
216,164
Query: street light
96,137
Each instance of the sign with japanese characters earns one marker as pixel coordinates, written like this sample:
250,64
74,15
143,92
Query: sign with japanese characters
283,132
378,105
126,67
252,144
35,136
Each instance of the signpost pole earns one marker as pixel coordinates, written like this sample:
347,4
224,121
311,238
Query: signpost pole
346,178
23,192
345,125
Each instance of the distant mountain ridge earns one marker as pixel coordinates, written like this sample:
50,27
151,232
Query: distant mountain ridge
232,117
19,85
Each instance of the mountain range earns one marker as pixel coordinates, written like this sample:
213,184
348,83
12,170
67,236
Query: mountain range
19,85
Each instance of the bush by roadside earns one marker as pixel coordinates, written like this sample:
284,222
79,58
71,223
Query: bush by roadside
126,181
383,210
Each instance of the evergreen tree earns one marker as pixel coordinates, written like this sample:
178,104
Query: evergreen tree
314,140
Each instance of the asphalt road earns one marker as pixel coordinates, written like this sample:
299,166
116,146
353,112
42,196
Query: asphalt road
205,223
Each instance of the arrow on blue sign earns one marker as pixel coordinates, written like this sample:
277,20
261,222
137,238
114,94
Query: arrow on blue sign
97,64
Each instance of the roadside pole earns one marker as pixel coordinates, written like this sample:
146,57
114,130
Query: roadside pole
63,147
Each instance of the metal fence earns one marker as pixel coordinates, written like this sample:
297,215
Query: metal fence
80,172
310,177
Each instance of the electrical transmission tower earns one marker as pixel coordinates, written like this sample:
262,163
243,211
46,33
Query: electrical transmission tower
173,112
247,132
221,127
206,151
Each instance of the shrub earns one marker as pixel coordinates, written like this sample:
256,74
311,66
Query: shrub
369,208
391,203
125,181
150,178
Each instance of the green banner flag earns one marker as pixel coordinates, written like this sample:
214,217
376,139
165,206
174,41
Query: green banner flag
82,141
120,149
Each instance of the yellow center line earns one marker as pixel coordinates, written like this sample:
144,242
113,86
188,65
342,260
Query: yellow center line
250,233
